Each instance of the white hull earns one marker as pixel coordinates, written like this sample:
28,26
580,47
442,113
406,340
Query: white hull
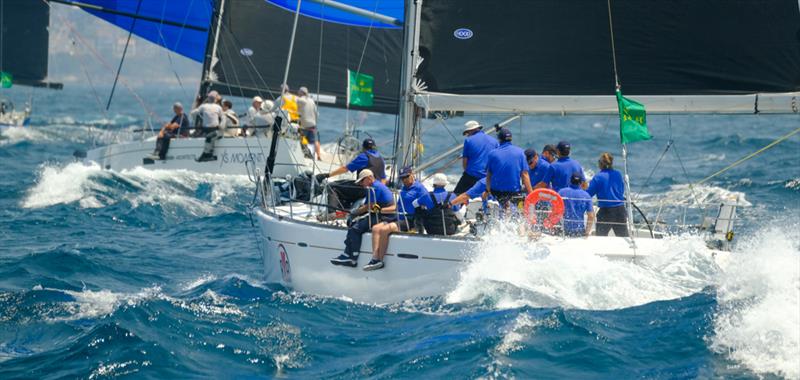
232,153
14,119
296,255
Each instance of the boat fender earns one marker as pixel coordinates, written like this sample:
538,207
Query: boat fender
547,196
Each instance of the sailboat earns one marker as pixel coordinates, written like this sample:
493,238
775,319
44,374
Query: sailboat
544,57
243,46
23,54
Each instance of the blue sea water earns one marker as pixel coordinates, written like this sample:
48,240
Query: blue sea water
152,274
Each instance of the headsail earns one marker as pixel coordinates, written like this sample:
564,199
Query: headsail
24,42
178,25
562,50
253,43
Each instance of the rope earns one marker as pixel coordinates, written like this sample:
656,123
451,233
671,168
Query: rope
647,181
751,155
613,48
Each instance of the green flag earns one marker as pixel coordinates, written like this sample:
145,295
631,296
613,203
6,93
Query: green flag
359,89
6,79
632,120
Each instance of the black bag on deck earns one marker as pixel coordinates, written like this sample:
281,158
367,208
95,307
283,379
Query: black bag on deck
441,220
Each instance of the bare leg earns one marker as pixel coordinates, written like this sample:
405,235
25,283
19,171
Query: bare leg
318,150
385,232
377,231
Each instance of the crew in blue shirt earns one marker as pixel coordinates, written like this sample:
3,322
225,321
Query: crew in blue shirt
609,187
577,202
378,197
342,194
400,217
558,176
477,146
475,191
505,167
537,168
441,194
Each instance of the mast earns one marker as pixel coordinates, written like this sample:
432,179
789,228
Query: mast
407,107
211,46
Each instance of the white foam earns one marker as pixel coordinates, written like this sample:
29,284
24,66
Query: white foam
98,304
758,323
511,272
57,185
11,135
693,196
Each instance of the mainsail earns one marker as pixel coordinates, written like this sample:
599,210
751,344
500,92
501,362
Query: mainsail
544,55
24,42
253,42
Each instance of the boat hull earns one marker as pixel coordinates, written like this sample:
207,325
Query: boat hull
232,154
297,255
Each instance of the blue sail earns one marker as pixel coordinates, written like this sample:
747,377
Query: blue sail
391,8
178,25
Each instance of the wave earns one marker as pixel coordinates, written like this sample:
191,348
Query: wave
758,321
14,135
172,190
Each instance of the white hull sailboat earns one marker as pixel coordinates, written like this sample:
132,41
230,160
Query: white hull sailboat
297,248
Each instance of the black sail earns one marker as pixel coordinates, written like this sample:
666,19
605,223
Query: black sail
664,47
253,43
25,41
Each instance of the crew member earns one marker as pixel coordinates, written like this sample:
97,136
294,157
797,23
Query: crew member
505,167
254,118
179,125
477,190
560,172
307,109
211,117
609,188
577,202
289,104
549,153
477,146
401,217
231,119
378,197
343,193
439,216
537,168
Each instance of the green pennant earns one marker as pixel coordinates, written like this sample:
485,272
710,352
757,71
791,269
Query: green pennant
359,89
632,120
6,79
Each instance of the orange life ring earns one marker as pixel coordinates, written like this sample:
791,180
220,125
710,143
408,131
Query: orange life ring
544,195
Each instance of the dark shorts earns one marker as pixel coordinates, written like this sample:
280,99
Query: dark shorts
404,225
465,183
310,134
612,218
504,198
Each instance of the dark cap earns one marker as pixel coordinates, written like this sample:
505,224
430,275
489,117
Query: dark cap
549,148
562,145
406,171
368,143
576,178
530,154
504,135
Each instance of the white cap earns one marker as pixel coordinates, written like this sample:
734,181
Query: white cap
302,91
440,180
257,99
267,105
364,174
470,125
177,105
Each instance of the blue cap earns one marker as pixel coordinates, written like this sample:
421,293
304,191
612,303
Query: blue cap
504,135
576,178
406,171
368,143
562,145
530,154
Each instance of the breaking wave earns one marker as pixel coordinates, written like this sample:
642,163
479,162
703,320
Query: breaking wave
92,187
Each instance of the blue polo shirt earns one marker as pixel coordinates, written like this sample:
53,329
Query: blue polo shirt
362,161
407,197
476,151
560,172
537,174
477,189
380,194
609,187
576,203
440,194
506,164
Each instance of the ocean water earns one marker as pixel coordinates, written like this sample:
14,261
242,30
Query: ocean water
154,274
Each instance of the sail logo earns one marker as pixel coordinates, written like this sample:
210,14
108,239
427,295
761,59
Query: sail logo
246,52
286,269
463,33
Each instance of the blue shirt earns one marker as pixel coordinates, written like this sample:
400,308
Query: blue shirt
560,172
362,161
576,203
380,194
407,197
440,194
539,172
609,188
476,151
477,189
506,164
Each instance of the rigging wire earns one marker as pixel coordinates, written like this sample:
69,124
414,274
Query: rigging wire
124,53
